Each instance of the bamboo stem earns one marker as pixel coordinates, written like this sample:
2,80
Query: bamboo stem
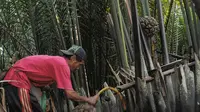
191,26
125,65
149,79
169,14
162,33
188,33
120,33
138,49
170,96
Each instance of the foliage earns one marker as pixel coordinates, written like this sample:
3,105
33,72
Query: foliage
45,26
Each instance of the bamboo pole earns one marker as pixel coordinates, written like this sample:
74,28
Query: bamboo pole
56,24
187,26
146,49
197,7
191,26
125,65
169,14
171,31
138,49
70,29
168,72
123,46
172,55
170,96
128,9
162,33
196,27
33,27
176,34
128,40
120,33
145,7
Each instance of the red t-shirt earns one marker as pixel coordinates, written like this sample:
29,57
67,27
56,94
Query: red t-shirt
40,70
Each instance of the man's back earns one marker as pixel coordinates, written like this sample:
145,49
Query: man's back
38,70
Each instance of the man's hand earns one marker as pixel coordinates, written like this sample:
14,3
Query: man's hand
74,96
93,100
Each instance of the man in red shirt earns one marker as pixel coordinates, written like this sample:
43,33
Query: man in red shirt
40,71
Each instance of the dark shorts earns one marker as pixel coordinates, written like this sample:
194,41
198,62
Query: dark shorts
20,100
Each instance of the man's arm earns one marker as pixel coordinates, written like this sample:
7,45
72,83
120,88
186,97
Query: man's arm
74,96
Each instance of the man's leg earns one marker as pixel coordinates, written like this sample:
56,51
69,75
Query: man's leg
29,101
12,98
35,104
23,102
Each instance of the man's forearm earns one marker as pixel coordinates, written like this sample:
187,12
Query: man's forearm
74,96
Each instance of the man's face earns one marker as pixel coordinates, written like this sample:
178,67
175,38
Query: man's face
75,63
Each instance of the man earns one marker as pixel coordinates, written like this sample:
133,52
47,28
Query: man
40,71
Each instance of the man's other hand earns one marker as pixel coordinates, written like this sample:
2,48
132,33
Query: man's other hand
93,100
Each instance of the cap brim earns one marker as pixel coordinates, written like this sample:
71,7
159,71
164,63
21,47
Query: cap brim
66,52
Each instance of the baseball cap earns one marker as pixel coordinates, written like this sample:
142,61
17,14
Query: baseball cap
75,50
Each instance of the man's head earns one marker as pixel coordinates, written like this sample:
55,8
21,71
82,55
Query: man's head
76,55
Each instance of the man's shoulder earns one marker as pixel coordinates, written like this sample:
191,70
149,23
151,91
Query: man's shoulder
57,60
47,59
37,57
44,57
